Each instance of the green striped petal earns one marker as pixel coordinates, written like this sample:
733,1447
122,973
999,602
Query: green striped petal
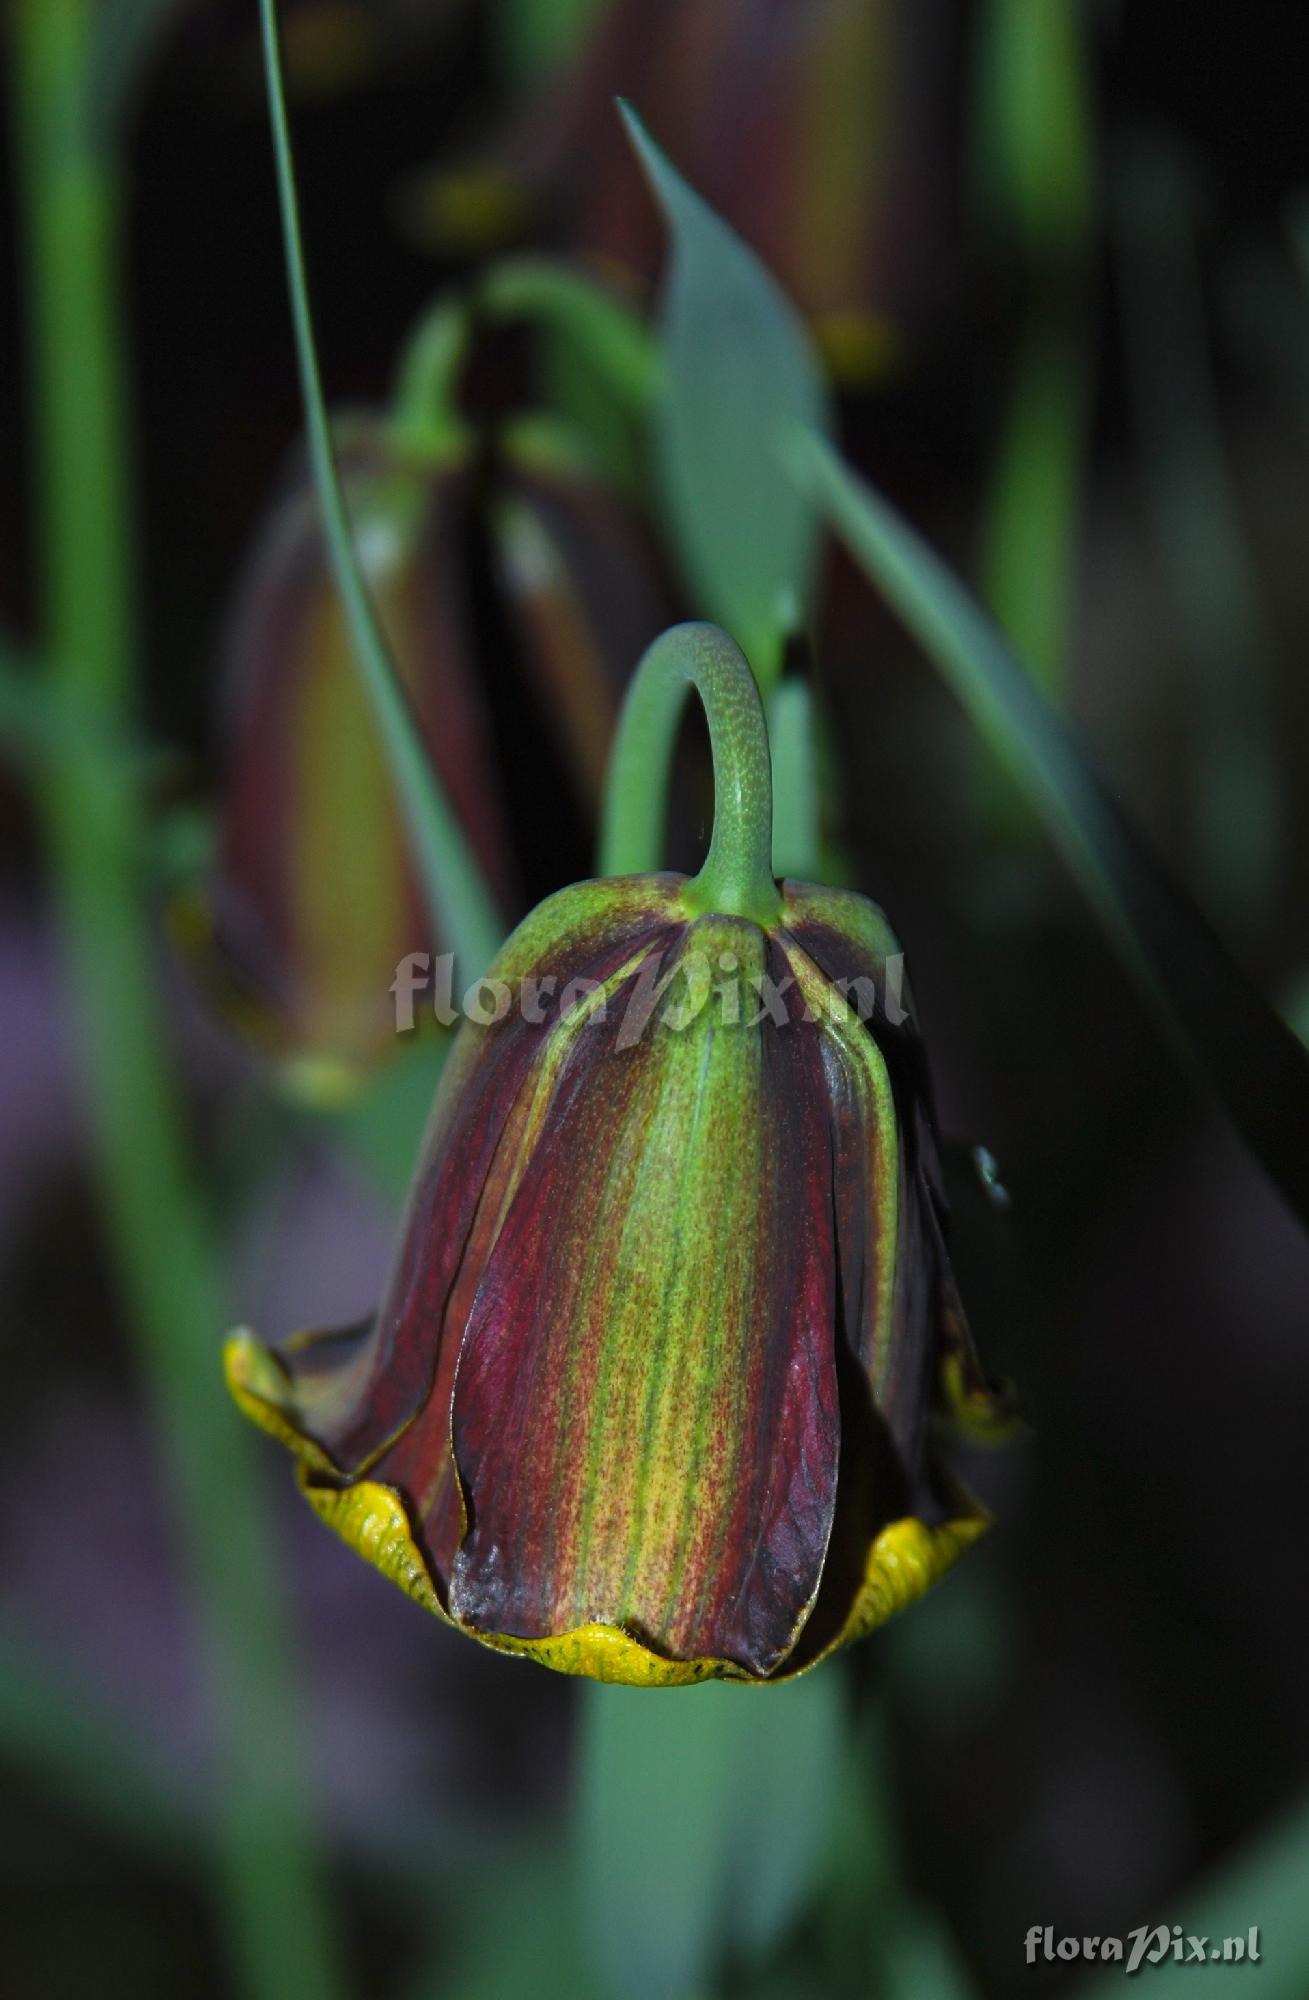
645,1411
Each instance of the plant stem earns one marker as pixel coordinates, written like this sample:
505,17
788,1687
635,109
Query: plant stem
453,883
267,1879
797,831
424,408
611,337
737,876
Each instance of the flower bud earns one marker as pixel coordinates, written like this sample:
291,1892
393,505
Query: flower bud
316,898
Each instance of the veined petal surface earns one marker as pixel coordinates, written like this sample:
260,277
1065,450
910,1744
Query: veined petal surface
645,1413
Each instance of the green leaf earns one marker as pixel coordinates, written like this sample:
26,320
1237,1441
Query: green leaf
739,374
264,1874
425,398
1264,1885
1035,166
923,1962
1226,1031
514,1930
455,887
703,1824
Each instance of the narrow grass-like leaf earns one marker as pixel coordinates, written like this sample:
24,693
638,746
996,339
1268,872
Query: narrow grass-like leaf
424,400
1228,1033
739,374
460,901
383,1125
783,1807
923,1961
872,1933
110,1771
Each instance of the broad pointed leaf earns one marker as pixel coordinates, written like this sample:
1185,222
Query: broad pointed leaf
739,373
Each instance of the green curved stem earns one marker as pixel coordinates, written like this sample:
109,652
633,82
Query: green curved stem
737,876
424,414
611,337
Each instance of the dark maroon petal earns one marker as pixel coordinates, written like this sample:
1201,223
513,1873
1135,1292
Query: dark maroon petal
645,1411
449,1221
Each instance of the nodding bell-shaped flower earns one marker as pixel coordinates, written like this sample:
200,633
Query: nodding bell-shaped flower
651,1393
314,899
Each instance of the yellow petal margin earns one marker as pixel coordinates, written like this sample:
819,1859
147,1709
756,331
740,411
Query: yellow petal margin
372,1519
259,1389
904,1561
906,1558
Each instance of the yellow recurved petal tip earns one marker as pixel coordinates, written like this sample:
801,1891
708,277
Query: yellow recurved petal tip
259,1388
903,1563
372,1519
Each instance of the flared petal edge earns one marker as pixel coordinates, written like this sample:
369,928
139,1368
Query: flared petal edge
904,1559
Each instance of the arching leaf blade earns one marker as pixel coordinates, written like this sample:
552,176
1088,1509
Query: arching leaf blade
1226,1031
